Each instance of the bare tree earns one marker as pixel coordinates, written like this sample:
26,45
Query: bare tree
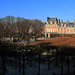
38,28
8,22
19,21
26,24
1,30
22,28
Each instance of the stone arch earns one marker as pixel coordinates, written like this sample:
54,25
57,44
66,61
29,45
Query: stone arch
47,35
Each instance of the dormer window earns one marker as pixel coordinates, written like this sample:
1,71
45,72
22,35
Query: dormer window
61,25
65,25
55,22
51,22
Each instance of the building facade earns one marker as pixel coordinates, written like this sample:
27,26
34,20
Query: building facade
56,26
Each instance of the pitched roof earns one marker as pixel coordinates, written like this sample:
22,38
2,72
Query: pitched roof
67,24
53,19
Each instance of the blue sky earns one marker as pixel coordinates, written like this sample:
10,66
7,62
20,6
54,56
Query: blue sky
38,9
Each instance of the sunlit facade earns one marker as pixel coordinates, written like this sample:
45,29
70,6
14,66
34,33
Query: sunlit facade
54,25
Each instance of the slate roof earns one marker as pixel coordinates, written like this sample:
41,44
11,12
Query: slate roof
67,24
54,19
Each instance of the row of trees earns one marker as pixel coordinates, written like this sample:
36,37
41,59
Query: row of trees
11,26
62,57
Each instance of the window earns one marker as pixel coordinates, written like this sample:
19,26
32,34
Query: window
64,32
61,32
71,29
71,32
51,30
48,30
53,26
69,25
65,25
55,22
58,28
48,26
64,28
61,25
61,28
55,30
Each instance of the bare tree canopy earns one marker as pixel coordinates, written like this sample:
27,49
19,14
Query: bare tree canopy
20,27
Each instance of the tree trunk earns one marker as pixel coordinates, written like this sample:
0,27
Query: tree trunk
23,64
73,61
48,62
3,65
39,66
30,61
56,55
19,63
15,62
48,57
68,63
61,64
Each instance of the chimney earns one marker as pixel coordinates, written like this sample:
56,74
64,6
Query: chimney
55,18
61,21
67,21
73,21
48,19
58,21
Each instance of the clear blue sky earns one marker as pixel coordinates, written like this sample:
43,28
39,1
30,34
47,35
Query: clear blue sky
38,9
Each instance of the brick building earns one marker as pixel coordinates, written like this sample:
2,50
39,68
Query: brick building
55,26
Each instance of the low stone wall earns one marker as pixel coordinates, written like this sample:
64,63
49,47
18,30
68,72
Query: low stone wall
40,38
